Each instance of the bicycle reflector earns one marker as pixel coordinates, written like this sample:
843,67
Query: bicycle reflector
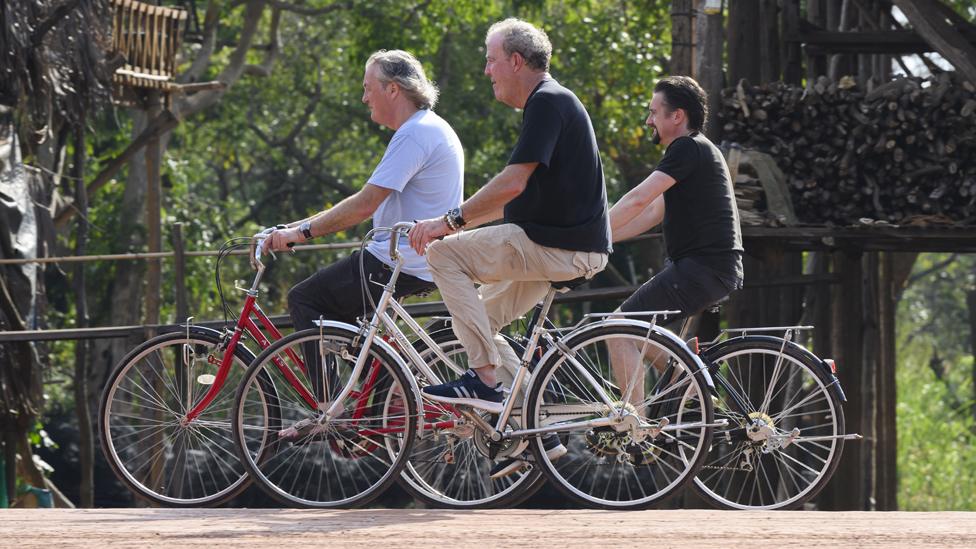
833,365
693,344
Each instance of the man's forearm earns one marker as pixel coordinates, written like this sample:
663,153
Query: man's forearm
488,203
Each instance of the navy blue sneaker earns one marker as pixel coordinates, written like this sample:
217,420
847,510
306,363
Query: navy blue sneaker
468,390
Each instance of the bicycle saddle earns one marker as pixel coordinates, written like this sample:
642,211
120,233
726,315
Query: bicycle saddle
567,285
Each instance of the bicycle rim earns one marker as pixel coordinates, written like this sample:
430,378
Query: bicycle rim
743,472
605,467
450,466
144,436
343,462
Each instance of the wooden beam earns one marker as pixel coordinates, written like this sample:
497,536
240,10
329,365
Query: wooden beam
682,32
743,52
928,20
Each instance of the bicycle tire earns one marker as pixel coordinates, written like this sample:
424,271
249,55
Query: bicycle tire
453,473
737,473
347,462
141,434
605,468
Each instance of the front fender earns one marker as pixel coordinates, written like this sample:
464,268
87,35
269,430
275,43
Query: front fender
395,355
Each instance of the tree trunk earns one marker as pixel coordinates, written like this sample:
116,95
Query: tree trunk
769,42
86,445
125,302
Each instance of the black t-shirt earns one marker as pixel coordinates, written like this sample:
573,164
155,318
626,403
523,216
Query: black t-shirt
700,215
564,204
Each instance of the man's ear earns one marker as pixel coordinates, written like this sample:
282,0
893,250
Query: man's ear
517,61
680,115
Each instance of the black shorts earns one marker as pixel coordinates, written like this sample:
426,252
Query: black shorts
336,292
686,285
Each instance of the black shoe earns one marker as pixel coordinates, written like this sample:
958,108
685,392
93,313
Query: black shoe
554,450
468,390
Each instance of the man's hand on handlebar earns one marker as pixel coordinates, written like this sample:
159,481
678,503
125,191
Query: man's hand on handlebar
425,232
280,238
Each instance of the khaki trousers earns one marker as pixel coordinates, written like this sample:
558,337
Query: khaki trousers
514,273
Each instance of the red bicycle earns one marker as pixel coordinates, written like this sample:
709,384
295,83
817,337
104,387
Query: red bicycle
165,416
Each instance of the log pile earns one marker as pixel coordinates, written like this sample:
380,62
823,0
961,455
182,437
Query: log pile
901,153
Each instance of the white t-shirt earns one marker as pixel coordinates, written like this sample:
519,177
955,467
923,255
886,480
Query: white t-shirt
424,166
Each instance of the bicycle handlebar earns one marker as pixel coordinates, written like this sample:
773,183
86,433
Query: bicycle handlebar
396,230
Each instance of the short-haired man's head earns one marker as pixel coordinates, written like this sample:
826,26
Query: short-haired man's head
404,69
526,39
682,92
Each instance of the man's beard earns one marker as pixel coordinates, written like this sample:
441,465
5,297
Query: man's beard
655,137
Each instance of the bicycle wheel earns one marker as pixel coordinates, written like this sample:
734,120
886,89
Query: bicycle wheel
449,465
146,441
663,404
343,462
783,441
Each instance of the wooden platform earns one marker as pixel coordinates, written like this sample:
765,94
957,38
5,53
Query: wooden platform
558,529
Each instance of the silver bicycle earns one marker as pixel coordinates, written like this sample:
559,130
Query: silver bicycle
629,399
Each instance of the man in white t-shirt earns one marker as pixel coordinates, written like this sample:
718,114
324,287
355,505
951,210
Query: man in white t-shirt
420,176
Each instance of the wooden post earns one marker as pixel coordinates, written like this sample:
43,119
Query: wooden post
769,43
179,272
153,212
710,47
682,14
870,369
743,39
886,456
816,64
845,492
792,55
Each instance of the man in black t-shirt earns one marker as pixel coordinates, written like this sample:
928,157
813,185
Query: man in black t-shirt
553,203
691,192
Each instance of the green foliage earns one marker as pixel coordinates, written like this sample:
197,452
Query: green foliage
936,427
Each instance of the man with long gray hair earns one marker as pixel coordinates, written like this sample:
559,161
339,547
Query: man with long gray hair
420,175
553,203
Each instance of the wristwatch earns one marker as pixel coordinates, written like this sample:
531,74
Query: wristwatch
454,219
306,230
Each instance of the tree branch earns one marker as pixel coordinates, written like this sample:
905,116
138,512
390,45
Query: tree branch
305,10
210,23
273,49
933,269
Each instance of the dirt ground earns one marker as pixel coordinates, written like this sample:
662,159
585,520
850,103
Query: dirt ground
384,528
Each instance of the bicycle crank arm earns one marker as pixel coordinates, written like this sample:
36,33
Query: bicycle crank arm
852,436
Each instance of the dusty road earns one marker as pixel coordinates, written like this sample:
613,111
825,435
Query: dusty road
381,529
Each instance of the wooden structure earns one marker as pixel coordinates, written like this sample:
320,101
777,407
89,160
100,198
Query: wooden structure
148,37
845,280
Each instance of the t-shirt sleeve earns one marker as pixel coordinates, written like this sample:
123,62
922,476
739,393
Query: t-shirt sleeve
680,160
541,126
401,161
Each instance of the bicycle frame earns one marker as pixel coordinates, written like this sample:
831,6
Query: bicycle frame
381,317
245,324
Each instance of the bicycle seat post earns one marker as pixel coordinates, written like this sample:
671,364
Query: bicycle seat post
537,330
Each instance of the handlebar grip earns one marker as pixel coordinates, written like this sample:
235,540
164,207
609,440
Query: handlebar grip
395,232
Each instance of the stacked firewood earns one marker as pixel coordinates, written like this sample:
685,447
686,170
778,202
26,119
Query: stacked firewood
903,152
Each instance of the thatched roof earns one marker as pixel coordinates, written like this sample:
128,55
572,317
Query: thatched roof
52,57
